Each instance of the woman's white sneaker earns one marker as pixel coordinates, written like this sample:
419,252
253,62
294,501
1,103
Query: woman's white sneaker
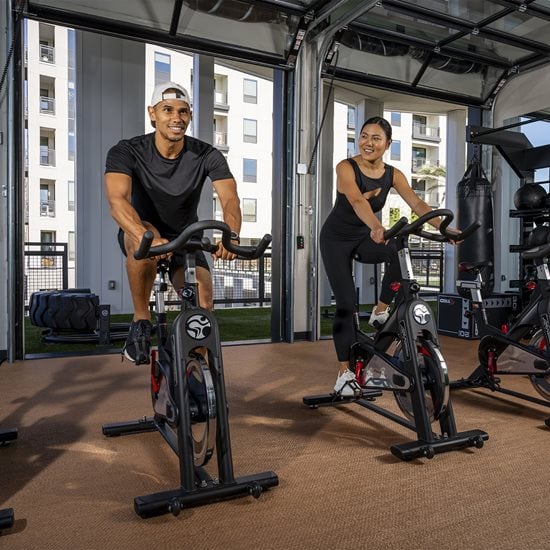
346,385
379,318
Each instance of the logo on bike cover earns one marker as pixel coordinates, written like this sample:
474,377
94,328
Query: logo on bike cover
421,314
198,327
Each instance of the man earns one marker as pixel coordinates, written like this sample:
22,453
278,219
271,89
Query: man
154,182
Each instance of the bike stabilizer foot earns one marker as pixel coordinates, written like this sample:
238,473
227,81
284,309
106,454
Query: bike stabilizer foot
328,399
428,449
176,500
6,518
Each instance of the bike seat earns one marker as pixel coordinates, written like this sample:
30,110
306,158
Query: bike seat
472,267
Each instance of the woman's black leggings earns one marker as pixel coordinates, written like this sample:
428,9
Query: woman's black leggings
338,255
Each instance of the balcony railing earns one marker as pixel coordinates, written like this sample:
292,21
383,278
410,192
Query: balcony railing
423,131
47,157
47,105
220,139
220,97
47,53
418,164
47,208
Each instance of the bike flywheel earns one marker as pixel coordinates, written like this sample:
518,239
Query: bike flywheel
435,379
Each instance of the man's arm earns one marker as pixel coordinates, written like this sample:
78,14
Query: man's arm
231,206
118,189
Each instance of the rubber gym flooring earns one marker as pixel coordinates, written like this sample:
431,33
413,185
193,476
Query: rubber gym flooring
340,487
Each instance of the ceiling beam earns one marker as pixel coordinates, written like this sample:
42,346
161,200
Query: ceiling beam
132,31
176,14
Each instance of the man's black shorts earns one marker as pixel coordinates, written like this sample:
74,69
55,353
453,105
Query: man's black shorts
176,260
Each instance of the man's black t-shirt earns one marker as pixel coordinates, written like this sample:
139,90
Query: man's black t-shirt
166,192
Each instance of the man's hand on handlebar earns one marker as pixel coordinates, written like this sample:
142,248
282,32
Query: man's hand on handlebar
223,254
157,241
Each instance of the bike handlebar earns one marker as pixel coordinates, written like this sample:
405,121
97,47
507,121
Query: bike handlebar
541,251
403,228
188,235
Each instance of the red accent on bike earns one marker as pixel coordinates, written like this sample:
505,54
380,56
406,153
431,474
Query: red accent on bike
395,286
425,352
504,328
155,382
492,363
542,344
531,285
360,370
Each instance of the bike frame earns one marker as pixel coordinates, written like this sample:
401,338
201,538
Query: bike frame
194,328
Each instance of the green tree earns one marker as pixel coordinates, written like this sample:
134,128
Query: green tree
433,171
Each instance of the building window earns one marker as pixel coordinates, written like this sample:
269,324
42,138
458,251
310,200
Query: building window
47,154
250,130
47,238
47,52
395,150
351,147
47,198
249,210
250,91
71,150
47,103
351,118
162,68
70,195
71,247
418,158
48,259
250,170
395,119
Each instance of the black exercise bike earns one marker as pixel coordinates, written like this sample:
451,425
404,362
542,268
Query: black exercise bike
188,387
404,357
523,350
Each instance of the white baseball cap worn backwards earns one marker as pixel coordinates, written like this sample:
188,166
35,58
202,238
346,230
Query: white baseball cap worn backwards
176,92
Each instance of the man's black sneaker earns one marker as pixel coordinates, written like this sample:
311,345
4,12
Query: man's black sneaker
138,344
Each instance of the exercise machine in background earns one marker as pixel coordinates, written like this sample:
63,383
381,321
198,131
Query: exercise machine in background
523,349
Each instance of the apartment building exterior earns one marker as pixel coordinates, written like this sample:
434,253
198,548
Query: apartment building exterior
50,138
418,149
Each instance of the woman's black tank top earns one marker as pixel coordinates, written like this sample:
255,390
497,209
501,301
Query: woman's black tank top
342,208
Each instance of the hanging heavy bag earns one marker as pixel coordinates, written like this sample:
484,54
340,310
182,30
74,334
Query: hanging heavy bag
474,200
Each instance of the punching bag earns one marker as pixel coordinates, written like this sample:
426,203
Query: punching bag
474,202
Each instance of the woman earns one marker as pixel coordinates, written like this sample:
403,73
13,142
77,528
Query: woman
352,229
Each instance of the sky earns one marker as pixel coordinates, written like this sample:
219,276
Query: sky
538,133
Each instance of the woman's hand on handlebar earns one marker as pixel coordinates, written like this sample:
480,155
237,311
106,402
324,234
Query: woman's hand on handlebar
377,234
453,231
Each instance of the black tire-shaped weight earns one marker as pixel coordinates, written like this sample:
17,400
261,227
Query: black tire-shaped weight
38,305
64,310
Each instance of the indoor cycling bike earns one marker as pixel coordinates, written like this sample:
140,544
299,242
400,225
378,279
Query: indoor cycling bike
188,387
404,357
523,348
